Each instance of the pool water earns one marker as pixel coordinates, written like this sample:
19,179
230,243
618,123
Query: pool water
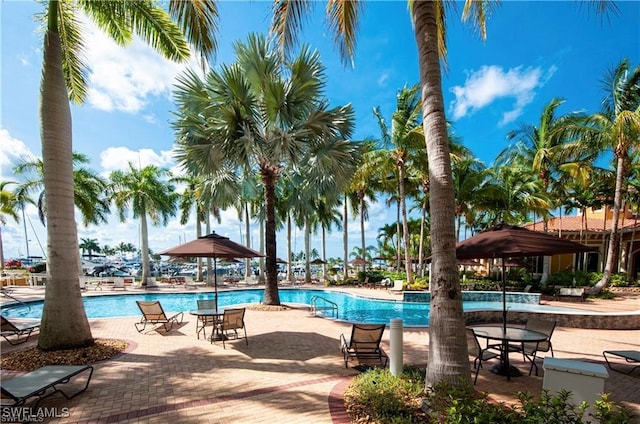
351,308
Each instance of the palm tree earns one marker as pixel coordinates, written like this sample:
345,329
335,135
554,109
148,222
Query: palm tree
468,175
542,148
88,189
8,206
402,141
231,120
616,127
89,245
63,79
146,193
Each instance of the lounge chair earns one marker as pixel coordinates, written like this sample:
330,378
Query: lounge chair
189,283
232,320
530,350
364,344
9,329
479,354
38,382
630,357
153,313
397,286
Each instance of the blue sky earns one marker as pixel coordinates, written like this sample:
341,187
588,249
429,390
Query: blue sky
534,51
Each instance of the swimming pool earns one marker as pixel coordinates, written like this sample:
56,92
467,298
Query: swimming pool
351,308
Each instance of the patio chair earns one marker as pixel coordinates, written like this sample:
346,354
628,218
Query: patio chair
232,320
530,350
8,329
38,382
479,354
153,313
206,320
364,344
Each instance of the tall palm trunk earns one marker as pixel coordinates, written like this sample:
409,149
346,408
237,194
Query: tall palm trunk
247,229
612,254
405,224
64,322
345,237
307,251
144,241
448,354
271,296
362,242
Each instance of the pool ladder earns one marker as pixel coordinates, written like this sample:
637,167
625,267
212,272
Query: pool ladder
323,306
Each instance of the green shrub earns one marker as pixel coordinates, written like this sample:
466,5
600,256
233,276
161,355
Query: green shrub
386,398
376,396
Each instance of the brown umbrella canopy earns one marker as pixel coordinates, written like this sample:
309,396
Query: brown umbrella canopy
317,261
507,241
212,246
359,261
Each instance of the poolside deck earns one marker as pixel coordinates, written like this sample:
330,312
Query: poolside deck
291,371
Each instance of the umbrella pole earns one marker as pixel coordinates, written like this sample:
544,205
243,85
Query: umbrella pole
215,282
504,297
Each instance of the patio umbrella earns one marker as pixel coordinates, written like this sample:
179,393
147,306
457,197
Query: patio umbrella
212,246
507,241
359,261
317,261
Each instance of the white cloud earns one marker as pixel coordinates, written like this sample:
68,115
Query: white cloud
124,78
118,158
382,79
491,83
13,151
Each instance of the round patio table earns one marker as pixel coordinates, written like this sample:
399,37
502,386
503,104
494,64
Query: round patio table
507,335
205,316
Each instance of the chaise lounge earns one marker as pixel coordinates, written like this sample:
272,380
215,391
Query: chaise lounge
8,329
38,382
630,357
364,344
153,313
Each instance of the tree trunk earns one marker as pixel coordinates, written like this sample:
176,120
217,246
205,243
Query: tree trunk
248,272
405,225
271,295
290,253
307,251
362,242
144,241
64,323
198,234
345,237
448,354
612,254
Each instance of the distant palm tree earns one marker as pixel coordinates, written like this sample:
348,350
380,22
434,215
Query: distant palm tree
241,124
8,207
616,128
541,148
88,189
401,143
148,194
89,245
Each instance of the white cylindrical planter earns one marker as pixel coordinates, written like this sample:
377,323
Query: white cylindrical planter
395,342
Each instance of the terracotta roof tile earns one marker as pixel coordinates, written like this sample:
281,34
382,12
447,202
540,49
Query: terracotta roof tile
575,223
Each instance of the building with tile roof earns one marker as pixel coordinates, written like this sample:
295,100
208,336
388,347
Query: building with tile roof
594,229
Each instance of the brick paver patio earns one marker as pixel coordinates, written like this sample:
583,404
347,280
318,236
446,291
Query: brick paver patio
291,371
